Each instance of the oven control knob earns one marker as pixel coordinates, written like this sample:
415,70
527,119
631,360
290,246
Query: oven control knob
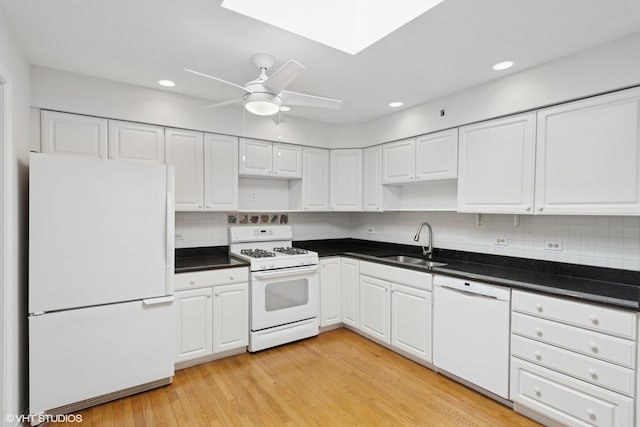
263,266
272,265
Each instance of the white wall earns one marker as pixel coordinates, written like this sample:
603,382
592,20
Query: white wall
611,66
210,229
77,93
15,72
590,240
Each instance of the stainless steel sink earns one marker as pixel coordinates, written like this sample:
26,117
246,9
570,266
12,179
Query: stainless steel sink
404,259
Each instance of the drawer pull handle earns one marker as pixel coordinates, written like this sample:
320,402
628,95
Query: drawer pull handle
537,355
217,294
231,277
193,282
593,346
594,319
593,373
539,307
539,332
591,413
537,391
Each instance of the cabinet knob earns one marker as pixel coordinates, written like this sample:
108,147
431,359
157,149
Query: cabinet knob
217,294
411,178
539,332
594,319
537,391
200,206
386,289
208,206
231,277
540,208
193,282
528,208
275,172
591,413
592,373
269,172
208,295
593,346
539,307
537,355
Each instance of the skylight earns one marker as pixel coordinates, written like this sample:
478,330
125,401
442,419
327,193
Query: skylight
347,25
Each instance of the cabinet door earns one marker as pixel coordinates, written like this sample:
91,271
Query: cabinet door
496,166
287,161
375,313
399,162
315,179
136,141
372,193
230,317
220,172
346,180
186,155
194,318
74,134
588,156
330,291
437,156
256,157
411,320
350,291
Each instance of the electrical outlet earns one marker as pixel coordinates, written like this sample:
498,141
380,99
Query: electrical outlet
253,196
370,230
179,236
553,245
501,241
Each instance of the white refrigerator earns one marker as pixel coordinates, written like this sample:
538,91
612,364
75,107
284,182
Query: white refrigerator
100,280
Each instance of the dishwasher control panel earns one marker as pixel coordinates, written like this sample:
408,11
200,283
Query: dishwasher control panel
472,287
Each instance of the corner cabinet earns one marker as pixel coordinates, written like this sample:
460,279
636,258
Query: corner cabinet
588,156
330,291
496,166
372,173
74,134
350,278
346,180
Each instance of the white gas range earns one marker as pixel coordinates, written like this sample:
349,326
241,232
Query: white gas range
284,285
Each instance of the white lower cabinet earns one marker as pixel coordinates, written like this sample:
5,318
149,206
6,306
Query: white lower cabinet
411,320
212,312
330,291
350,279
572,362
375,313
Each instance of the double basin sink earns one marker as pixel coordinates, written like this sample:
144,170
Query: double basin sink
420,262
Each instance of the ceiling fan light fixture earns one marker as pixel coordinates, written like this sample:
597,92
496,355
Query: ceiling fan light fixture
284,108
262,104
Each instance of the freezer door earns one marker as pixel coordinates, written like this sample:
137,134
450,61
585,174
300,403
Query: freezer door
80,354
99,231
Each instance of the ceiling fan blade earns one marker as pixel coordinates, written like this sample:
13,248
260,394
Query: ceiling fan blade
222,104
295,98
244,89
283,76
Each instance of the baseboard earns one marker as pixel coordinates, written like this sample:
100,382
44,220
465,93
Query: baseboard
207,359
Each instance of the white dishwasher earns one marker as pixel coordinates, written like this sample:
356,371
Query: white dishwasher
471,332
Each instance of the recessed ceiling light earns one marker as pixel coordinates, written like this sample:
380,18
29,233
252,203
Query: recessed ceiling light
502,65
166,83
284,108
395,104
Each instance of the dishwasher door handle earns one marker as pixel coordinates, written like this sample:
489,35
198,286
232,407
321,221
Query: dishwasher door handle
468,293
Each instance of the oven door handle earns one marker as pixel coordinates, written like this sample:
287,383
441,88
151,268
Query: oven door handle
285,272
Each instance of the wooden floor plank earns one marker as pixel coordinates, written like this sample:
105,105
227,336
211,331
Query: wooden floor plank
338,378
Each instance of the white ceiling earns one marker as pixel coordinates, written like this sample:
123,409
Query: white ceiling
448,49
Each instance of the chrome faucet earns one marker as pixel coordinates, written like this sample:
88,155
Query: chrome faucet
416,238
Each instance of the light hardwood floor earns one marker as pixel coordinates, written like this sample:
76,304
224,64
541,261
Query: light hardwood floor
336,379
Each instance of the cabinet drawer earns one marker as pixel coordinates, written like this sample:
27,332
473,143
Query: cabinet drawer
594,344
413,278
567,400
597,372
590,316
199,279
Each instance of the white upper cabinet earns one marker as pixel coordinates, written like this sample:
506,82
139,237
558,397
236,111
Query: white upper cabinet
287,160
372,192
186,155
437,156
220,172
588,156
496,165
256,157
346,180
399,164
315,179
74,134
136,141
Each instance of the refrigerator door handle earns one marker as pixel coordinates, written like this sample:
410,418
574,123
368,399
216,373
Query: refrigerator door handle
159,300
170,243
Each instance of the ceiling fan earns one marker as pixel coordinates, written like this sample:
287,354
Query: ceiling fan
266,95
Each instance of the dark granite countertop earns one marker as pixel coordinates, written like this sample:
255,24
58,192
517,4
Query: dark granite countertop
612,287
207,258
